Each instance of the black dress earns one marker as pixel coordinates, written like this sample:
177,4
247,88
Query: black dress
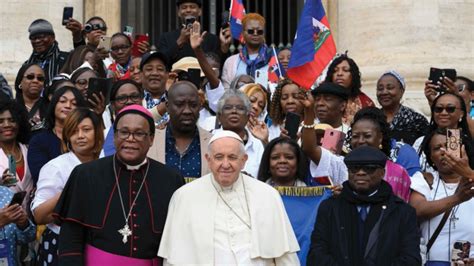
90,210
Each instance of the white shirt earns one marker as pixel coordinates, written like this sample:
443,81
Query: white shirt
52,179
330,165
463,228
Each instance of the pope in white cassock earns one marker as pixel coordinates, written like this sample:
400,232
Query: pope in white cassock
227,218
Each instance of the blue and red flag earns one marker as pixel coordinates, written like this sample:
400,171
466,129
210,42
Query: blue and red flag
313,47
237,13
275,70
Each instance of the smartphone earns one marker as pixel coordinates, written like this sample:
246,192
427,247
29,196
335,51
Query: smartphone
18,198
104,42
138,39
11,165
225,20
323,181
128,30
333,140
67,14
292,124
261,77
460,250
436,74
195,76
99,85
453,142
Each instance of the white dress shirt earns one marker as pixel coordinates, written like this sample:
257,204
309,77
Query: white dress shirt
52,179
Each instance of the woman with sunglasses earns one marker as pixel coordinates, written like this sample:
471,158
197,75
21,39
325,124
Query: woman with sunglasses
254,56
446,190
406,125
46,144
82,139
448,110
29,85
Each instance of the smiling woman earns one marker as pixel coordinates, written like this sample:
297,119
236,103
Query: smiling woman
82,139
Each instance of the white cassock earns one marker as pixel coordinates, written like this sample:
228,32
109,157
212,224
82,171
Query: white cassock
203,228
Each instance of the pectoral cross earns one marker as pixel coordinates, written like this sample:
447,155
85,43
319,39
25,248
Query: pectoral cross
125,232
453,220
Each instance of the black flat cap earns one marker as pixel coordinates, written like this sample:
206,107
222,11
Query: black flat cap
331,88
365,155
198,2
153,54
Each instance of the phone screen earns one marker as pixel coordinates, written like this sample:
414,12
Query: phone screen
292,124
67,14
97,86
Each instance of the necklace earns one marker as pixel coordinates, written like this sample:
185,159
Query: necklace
231,209
13,153
125,231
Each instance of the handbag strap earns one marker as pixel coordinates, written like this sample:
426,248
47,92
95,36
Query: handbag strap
438,230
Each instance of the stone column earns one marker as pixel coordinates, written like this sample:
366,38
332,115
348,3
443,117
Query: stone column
409,36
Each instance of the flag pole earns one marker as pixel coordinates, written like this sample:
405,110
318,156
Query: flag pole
278,62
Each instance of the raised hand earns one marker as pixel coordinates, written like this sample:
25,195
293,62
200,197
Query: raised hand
431,91
258,129
226,39
196,38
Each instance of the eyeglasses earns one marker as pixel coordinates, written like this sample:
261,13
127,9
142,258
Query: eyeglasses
461,87
255,32
449,109
38,37
32,77
82,82
368,169
90,27
125,134
240,109
118,48
125,98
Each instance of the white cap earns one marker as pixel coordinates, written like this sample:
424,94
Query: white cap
225,134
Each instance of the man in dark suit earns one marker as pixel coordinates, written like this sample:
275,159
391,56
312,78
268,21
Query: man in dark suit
366,224
113,210
175,44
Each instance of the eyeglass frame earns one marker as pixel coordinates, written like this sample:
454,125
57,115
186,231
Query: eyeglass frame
138,136
367,168
448,109
236,107
125,98
33,76
257,32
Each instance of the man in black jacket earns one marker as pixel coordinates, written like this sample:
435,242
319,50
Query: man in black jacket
366,224
175,44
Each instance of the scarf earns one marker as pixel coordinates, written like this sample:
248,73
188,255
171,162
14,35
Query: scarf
119,72
350,217
48,61
261,60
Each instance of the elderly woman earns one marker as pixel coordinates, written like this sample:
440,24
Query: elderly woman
233,111
406,125
254,56
29,85
283,164
344,71
444,195
82,139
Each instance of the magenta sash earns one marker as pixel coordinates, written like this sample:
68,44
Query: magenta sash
98,257
399,179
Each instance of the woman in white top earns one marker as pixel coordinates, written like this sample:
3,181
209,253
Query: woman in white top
449,188
82,140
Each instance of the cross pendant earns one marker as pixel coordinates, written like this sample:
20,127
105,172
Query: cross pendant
453,220
125,232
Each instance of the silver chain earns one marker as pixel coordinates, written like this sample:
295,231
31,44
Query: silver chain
126,217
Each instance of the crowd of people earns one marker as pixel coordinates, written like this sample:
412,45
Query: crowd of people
175,159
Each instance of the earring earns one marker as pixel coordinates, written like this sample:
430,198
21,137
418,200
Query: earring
460,119
19,86
380,146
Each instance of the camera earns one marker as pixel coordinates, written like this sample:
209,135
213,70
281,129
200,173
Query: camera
189,20
90,27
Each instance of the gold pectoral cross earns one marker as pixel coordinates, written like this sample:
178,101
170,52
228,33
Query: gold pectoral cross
125,232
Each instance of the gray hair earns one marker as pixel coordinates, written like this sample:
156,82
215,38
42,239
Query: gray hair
235,82
233,93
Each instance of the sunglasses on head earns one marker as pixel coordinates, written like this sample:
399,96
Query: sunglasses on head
255,32
32,77
449,109
368,169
